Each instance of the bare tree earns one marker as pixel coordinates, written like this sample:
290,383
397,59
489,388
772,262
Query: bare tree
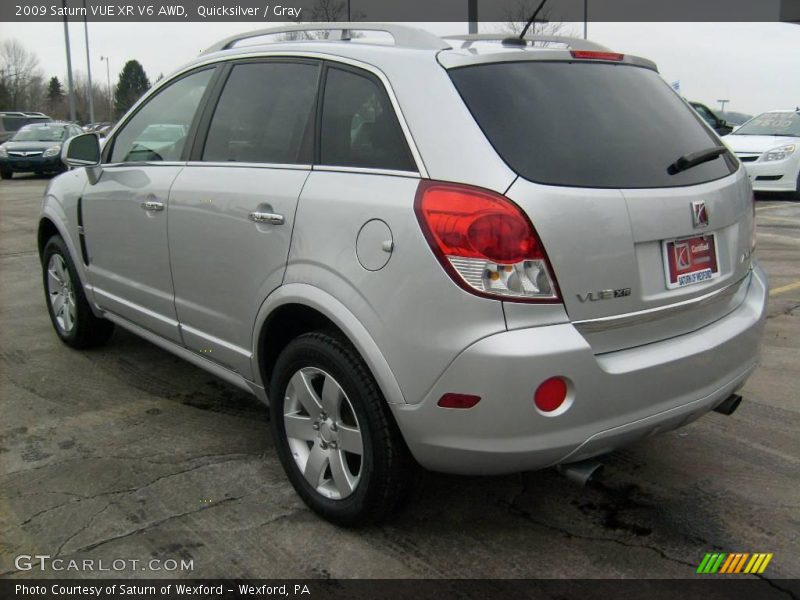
324,11
329,10
19,74
99,98
519,13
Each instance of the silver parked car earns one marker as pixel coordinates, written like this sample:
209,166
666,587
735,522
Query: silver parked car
475,256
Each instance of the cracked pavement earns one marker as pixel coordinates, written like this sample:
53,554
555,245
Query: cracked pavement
126,452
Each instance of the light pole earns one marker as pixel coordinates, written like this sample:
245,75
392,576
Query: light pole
108,82
88,64
586,19
472,16
722,104
71,90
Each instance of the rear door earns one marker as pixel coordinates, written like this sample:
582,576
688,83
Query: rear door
125,212
627,235
232,209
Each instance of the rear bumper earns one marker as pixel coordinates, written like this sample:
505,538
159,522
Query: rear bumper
29,164
779,176
615,398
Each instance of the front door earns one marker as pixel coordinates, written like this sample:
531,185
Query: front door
125,212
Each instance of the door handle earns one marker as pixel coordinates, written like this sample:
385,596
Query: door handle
265,217
151,205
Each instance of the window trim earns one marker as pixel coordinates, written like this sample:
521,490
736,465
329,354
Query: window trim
365,171
204,124
216,61
108,149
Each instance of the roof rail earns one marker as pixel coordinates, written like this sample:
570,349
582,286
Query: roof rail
407,37
574,43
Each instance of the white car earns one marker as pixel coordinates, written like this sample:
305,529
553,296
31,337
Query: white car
769,147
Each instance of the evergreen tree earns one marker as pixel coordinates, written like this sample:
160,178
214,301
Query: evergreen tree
132,84
55,93
55,97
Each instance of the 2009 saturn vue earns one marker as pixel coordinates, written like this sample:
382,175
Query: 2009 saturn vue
476,256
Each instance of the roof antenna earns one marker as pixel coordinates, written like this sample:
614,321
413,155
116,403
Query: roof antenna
520,41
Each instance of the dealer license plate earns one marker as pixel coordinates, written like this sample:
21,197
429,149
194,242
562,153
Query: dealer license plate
690,260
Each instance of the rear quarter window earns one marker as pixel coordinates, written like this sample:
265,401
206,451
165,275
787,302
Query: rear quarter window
587,124
359,127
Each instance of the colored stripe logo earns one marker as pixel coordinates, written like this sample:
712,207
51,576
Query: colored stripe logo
735,562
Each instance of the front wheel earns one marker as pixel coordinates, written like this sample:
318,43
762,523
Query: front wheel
335,437
70,313
5,174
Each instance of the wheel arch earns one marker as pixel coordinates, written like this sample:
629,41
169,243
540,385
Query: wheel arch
46,230
294,309
49,225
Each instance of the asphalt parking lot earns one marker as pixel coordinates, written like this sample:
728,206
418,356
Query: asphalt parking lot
126,452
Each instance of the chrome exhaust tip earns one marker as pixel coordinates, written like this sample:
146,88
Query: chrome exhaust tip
728,406
581,472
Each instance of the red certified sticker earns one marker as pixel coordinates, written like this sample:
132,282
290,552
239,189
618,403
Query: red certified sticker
691,260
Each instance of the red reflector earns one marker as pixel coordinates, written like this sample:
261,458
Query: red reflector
458,401
594,55
550,394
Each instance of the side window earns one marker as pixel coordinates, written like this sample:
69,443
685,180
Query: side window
158,130
707,116
264,114
359,127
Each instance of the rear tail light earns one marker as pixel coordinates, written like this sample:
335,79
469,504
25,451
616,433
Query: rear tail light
485,242
594,55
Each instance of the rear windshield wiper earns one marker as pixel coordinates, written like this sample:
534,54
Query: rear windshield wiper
687,161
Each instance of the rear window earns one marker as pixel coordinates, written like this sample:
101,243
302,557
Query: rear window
12,123
587,124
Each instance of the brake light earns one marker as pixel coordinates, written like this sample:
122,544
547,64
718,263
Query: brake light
485,242
594,55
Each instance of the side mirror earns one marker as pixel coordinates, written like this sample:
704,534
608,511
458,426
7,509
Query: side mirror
81,151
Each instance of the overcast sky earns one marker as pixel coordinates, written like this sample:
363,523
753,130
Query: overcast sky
755,65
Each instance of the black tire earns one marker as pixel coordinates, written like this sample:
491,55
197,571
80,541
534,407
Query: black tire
86,330
386,465
6,174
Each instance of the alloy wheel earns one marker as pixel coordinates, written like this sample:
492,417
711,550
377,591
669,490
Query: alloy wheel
61,293
323,433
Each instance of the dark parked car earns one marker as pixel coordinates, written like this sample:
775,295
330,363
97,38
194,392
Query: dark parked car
719,125
11,121
36,148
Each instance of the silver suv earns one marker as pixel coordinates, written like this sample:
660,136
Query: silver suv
475,256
